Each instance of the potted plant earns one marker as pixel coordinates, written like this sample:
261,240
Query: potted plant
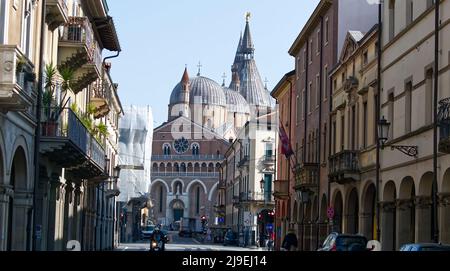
51,111
20,70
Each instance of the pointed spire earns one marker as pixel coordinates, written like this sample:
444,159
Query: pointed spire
199,68
247,43
185,78
224,77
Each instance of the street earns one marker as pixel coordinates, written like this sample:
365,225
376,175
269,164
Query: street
182,244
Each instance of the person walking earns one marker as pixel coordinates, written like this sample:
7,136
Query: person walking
290,242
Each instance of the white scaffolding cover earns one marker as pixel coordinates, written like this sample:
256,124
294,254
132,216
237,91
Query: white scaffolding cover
136,135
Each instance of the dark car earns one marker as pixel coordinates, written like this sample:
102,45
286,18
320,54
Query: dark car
345,242
425,247
230,239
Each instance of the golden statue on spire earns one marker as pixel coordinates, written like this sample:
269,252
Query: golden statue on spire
248,15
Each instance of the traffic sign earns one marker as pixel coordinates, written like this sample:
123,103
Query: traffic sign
330,213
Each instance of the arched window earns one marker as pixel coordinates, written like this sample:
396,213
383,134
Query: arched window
26,28
195,149
183,167
155,167
166,149
210,167
197,167
177,167
162,167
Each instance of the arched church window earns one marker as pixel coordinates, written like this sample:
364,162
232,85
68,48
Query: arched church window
183,167
166,149
177,167
195,149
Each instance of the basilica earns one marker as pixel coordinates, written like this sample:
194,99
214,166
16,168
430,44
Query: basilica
204,117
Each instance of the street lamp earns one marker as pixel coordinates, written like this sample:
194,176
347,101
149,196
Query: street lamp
116,172
383,136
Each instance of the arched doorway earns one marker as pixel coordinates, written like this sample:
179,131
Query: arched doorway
19,216
389,217
369,207
353,212
338,208
266,220
315,224
424,209
177,210
445,209
307,226
406,213
159,195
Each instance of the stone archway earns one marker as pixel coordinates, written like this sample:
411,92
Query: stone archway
159,191
424,209
406,211
389,217
352,212
369,210
177,208
444,209
19,215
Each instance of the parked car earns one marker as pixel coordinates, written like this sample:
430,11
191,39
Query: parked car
344,242
147,231
425,247
230,239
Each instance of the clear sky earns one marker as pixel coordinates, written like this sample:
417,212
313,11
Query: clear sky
160,37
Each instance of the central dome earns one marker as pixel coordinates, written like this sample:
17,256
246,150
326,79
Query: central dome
202,88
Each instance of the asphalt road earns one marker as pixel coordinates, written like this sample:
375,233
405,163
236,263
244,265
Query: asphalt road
182,244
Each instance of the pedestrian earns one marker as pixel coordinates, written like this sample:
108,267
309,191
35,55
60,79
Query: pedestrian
290,242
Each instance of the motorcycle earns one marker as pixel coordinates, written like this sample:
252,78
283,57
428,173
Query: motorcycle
157,246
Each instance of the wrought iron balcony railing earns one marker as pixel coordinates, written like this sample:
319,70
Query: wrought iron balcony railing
69,143
344,167
306,176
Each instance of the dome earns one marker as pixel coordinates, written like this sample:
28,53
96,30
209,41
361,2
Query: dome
235,102
210,92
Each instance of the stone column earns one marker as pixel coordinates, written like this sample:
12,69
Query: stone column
42,212
5,193
404,232
59,224
68,200
23,202
444,217
388,236
53,196
76,225
423,219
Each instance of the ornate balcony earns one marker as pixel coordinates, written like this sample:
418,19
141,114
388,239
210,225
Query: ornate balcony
57,13
17,80
269,160
281,190
79,52
102,99
188,158
444,125
307,176
68,143
351,83
244,162
344,167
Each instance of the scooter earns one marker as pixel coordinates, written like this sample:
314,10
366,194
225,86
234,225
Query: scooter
156,246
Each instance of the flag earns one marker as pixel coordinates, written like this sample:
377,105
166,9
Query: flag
286,147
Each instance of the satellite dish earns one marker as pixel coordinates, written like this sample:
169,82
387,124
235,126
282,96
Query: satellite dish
374,245
73,245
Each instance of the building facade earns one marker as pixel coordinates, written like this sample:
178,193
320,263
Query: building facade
71,194
285,94
19,62
248,179
316,51
352,161
407,102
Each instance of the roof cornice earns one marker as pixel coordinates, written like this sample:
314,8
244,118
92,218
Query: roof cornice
320,10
